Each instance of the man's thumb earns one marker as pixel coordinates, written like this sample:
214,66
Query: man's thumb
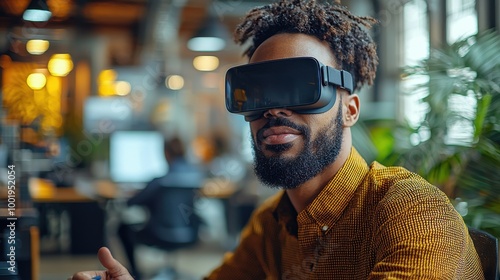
115,269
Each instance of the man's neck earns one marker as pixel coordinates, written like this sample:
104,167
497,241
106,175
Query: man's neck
304,194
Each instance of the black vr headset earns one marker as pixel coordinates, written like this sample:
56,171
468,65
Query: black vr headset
301,84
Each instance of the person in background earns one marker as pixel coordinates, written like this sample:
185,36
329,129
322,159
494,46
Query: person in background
181,174
336,216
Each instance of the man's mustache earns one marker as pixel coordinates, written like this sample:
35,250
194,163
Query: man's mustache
273,122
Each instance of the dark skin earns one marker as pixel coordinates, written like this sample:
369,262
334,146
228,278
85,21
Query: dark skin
114,269
280,46
299,45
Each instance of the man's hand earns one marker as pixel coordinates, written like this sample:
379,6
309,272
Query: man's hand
114,269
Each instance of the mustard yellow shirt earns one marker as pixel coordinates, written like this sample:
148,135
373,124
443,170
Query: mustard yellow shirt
369,222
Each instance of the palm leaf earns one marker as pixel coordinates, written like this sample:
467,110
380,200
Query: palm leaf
468,171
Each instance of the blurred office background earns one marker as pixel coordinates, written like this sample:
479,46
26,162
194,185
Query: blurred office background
90,90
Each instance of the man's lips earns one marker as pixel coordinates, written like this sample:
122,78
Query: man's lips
279,135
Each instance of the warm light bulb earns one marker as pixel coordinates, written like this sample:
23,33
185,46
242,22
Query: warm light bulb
174,82
36,81
206,63
60,65
122,88
37,47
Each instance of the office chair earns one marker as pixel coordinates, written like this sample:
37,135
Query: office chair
487,249
175,223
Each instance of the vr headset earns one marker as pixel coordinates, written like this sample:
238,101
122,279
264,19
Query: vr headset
301,84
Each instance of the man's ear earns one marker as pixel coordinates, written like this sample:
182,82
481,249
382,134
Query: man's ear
351,109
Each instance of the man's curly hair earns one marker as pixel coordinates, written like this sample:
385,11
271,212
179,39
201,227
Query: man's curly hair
349,42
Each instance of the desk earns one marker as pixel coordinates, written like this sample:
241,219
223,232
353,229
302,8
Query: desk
211,188
44,191
86,216
109,190
62,195
82,203
218,188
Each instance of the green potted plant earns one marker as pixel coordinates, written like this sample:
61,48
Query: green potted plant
462,82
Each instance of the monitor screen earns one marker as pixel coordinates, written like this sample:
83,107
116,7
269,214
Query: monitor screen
136,156
100,114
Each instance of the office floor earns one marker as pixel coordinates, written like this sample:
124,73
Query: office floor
191,263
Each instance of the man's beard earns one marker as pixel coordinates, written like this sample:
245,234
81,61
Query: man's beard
289,173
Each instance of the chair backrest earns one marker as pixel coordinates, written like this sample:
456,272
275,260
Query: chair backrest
173,222
175,207
487,248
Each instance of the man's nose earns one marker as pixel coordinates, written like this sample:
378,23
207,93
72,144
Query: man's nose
277,112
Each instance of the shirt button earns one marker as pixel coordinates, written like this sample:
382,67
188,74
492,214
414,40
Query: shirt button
324,228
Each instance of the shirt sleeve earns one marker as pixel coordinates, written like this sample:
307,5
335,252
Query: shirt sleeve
246,261
419,235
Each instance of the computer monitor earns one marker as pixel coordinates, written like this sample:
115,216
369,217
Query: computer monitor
100,114
136,157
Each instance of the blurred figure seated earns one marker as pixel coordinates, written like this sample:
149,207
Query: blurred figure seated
172,223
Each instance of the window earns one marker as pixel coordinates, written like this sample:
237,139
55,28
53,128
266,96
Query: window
461,22
461,19
416,48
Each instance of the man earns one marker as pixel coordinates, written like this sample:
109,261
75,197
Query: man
337,217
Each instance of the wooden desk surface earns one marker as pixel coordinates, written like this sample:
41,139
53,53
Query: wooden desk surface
212,188
108,190
62,195
44,191
218,188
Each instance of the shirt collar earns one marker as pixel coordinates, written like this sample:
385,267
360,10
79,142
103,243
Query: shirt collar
330,203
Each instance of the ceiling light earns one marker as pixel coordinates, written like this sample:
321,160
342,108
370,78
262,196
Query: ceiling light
206,63
210,37
37,47
36,81
174,82
60,65
37,11
206,44
122,88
